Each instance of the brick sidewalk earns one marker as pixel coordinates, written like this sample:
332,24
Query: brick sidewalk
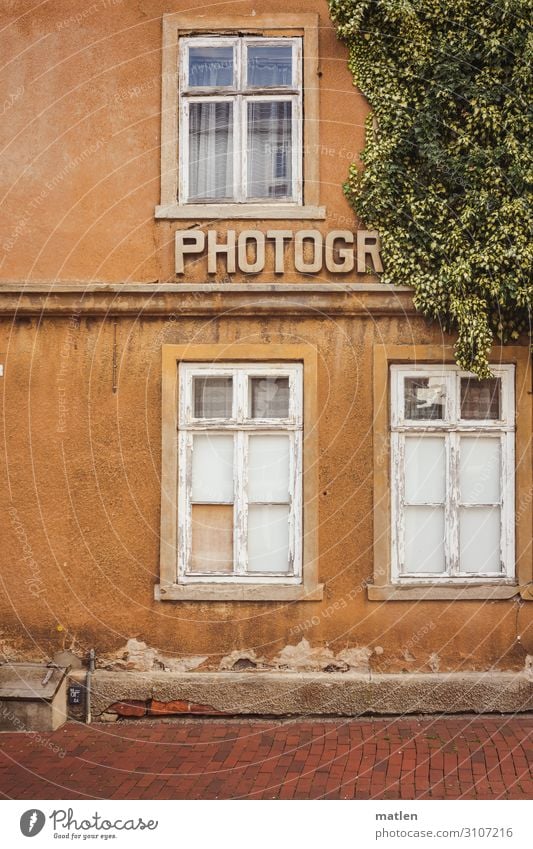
407,758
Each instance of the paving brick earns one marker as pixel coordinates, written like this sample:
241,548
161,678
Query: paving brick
186,758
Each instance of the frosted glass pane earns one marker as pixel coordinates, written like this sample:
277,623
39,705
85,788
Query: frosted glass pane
479,478
424,540
268,538
213,397
479,536
210,66
212,468
270,66
270,397
268,468
425,470
424,398
480,399
212,538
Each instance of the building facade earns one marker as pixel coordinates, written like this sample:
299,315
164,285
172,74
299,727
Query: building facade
240,468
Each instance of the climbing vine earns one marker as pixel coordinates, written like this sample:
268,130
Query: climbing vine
447,165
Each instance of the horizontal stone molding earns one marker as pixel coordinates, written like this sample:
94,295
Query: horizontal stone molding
306,693
181,299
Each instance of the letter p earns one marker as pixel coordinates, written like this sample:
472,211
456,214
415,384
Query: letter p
188,242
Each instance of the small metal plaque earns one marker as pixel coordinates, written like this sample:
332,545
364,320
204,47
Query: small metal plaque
75,694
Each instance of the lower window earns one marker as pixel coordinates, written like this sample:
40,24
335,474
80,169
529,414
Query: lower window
452,453
240,473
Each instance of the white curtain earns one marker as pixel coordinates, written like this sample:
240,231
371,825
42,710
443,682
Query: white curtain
211,150
269,149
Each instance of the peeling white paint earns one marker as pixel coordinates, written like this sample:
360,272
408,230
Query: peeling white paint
303,658
434,662
137,656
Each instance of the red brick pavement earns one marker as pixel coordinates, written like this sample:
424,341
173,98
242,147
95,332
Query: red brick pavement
469,757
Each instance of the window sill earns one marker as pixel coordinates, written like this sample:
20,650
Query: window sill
264,211
441,592
238,592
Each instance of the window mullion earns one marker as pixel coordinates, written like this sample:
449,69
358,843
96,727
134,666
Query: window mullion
243,159
241,503
507,486
451,510
398,498
184,540
239,159
297,150
295,509
240,378
183,134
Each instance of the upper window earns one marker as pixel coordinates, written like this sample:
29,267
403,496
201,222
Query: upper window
239,106
240,120
240,449
452,474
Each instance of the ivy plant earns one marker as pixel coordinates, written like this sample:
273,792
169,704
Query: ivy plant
447,165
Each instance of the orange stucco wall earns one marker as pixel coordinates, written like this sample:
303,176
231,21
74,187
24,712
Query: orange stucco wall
81,138
80,477
82,482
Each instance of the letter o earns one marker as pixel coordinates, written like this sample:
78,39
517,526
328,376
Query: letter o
259,263
299,260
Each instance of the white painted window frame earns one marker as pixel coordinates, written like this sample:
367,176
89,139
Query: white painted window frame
240,95
241,425
452,427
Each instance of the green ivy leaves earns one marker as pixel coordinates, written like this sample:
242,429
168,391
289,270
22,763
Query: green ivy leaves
448,161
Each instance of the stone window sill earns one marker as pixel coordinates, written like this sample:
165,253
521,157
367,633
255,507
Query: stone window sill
243,211
238,592
441,592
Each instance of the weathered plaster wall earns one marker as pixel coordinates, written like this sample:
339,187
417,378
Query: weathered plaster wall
81,485
80,481
81,138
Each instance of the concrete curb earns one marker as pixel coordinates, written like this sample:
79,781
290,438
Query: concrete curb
308,693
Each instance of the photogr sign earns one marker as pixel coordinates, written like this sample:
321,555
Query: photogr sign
275,251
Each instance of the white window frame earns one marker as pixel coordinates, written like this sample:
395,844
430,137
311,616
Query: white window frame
240,95
241,424
452,427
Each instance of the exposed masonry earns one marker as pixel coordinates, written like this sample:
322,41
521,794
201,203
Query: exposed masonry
137,656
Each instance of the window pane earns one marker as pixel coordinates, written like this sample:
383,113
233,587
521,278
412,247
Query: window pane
480,399
479,470
268,538
269,149
479,534
210,150
424,540
424,398
268,468
270,397
212,538
213,397
425,470
210,66
270,66
212,468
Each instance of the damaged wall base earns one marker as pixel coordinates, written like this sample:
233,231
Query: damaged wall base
117,694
